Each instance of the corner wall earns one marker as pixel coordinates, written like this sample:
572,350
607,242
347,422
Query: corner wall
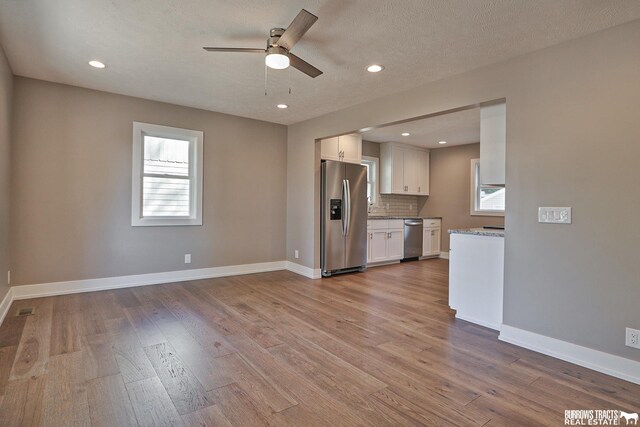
71,198
572,140
6,101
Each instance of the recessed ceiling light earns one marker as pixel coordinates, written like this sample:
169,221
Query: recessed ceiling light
282,106
97,64
442,142
405,134
375,68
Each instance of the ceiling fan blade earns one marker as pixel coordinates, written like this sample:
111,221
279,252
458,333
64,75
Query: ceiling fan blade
303,66
234,49
300,25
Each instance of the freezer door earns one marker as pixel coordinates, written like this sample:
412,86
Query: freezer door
333,216
356,227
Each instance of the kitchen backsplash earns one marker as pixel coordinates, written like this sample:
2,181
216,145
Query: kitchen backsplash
396,205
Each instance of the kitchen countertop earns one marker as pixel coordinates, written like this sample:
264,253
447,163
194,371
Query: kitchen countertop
403,217
479,232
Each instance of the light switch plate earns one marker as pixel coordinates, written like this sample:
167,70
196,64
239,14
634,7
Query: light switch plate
551,215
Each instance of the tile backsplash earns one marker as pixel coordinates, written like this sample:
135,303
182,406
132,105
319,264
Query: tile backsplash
396,205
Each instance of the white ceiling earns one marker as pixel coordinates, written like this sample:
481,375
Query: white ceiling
153,48
458,128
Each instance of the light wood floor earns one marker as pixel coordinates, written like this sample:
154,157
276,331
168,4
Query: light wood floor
378,348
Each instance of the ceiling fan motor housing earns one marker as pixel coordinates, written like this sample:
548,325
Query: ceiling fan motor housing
275,35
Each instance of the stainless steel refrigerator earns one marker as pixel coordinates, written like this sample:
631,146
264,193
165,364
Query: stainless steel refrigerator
343,227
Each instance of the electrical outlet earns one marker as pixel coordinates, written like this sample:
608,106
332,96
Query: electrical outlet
296,254
633,338
187,258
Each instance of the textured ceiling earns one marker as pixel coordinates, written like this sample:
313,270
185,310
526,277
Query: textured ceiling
153,48
456,128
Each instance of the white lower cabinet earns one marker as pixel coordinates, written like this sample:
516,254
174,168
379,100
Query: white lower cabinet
377,245
386,240
431,241
476,278
395,244
431,237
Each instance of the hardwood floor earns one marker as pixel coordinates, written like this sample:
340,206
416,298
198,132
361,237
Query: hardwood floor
378,348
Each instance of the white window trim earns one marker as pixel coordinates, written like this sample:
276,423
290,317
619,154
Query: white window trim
195,174
376,187
475,193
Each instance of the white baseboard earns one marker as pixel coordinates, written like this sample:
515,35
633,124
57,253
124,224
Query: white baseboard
6,304
479,322
89,285
606,363
444,255
303,270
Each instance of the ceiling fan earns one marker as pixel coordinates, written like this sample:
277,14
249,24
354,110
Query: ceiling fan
279,45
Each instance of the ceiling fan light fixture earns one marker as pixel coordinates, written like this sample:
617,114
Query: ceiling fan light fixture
277,58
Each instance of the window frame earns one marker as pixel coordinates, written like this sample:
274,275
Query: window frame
475,193
195,138
376,171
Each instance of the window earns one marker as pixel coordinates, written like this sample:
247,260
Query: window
485,199
371,163
167,176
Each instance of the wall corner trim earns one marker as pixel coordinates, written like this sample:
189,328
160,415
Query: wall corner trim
303,270
605,363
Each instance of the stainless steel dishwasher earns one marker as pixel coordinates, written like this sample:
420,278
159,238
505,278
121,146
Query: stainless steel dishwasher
412,238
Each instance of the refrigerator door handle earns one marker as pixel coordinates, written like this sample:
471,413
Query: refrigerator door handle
348,208
345,201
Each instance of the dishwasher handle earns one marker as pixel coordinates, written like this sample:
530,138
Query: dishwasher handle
413,222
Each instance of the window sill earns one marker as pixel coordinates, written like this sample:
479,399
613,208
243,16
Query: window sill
153,222
487,213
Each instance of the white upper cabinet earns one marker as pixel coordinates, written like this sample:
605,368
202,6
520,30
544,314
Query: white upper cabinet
423,173
344,148
404,170
493,144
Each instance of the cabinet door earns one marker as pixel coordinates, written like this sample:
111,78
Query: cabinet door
411,166
435,241
398,171
330,149
423,173
427,239
351,148
369,238
378,245
395,244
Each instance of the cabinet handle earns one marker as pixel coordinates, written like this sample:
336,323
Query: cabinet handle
370,236
433,233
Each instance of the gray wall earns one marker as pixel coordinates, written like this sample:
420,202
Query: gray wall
450,190
71,198
6,91
572,140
